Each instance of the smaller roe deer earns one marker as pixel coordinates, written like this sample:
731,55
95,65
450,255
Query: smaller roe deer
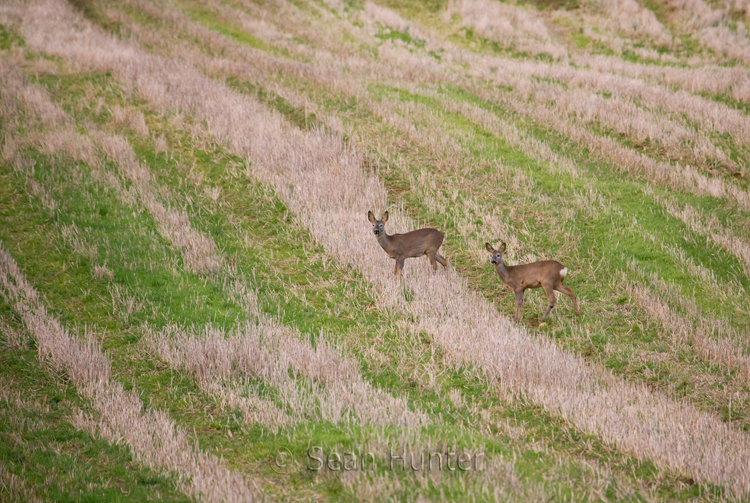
547,274
412,244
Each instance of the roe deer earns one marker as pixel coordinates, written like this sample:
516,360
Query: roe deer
412,244
547,274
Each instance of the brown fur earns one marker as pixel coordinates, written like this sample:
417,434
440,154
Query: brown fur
411,244
543,274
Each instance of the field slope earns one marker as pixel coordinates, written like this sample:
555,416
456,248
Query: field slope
193,305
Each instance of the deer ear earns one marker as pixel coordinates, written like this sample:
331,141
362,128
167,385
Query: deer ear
502,248
370,217
385,217
489,247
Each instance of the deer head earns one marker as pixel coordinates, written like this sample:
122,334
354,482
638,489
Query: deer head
378,226
496,255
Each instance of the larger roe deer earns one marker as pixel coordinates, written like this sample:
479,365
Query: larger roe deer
547,274
412,244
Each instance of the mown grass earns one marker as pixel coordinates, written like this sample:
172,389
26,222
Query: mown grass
625,192
9,38
65,281
629,195
212,20
307,292
52,459
612,237
137,255
284,264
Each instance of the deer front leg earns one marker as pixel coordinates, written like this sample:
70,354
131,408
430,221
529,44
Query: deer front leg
519,305
399,266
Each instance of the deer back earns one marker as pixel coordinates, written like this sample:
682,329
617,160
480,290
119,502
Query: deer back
533,275
414,243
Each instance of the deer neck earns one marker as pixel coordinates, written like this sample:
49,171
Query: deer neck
385,241
503,272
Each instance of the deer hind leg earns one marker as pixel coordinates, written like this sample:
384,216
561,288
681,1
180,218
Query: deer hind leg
432,258
569,292
519,305
552,299
442,260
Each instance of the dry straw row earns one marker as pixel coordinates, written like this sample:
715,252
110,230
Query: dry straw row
681,177
265,350
711,338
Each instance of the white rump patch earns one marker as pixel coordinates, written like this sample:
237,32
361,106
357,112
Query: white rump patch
564,272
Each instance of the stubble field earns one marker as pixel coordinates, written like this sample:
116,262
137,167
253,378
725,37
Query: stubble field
193,305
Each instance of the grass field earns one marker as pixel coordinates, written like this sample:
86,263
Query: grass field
193,305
